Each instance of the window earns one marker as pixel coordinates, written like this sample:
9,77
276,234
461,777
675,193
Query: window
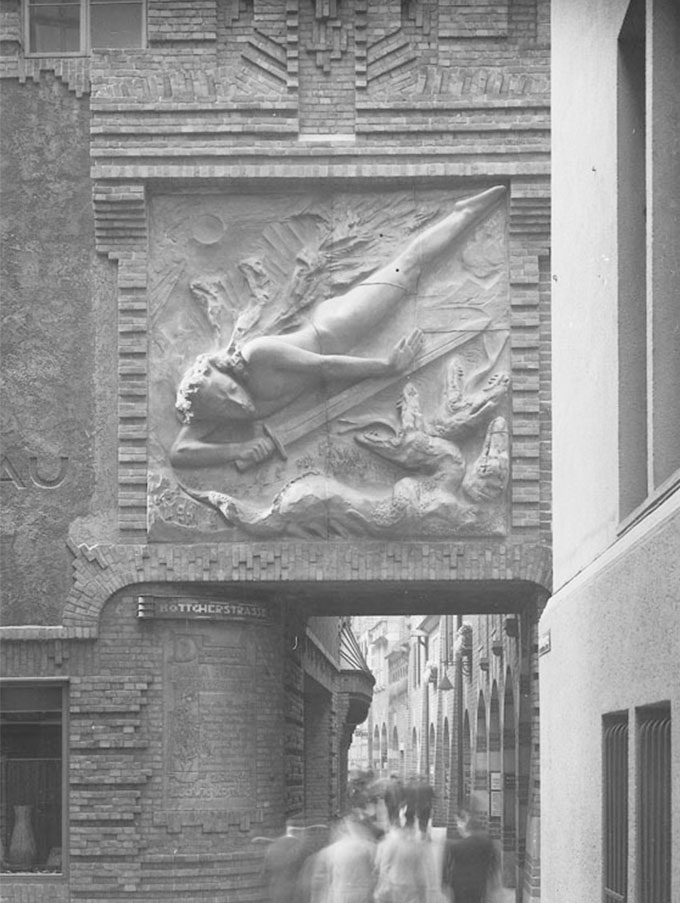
32,776
58,27
649,255
615,808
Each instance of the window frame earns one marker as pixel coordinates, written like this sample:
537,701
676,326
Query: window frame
648,471
86,49
63,684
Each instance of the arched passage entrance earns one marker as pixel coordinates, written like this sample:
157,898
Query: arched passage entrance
494,766
480,801
292,660
467,763
509,826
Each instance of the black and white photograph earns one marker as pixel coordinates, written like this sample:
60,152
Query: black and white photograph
340,451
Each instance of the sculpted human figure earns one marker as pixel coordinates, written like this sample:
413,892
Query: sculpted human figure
224,389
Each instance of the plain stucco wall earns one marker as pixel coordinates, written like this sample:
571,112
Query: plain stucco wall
614,644
614,619
584,352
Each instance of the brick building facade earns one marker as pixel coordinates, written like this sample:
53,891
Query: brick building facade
200,686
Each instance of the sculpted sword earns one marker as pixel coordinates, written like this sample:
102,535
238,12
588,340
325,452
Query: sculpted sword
281,431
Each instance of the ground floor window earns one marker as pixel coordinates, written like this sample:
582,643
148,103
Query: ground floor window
31,776
79,26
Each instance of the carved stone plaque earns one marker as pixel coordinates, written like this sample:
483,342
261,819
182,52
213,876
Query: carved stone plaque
209,730
329,366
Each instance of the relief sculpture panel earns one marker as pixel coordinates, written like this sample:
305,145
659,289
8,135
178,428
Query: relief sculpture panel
329,365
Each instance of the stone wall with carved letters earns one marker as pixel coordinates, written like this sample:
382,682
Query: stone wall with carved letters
55,290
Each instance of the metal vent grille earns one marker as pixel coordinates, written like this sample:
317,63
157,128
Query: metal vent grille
655,805
615,821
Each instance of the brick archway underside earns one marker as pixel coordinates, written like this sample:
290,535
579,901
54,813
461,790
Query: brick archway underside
321,578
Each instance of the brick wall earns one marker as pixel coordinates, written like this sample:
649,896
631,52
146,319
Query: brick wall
50,274
242,96
175,745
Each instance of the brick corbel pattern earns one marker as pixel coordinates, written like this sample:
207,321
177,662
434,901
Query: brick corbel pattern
529,228
121,234
101,570
190,20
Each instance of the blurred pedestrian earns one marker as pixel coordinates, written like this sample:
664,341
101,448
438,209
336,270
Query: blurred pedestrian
344,871
402,876
394,798
418,798
285,858
471,864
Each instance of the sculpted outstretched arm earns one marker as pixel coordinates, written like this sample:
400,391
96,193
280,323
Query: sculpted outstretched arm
192,448
281,357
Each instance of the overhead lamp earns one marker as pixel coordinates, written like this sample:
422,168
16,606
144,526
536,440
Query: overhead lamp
445,683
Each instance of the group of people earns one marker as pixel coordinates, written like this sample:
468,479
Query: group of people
382,852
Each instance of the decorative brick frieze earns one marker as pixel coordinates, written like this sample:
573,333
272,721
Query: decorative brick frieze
330,37
74,72
121,233
120,221
96,578
487,19
529,225
181,20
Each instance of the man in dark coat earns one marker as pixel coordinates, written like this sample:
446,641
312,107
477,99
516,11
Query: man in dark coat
470,865
394,797
419,797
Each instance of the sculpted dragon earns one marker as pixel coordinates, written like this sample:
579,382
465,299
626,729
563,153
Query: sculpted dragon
446,496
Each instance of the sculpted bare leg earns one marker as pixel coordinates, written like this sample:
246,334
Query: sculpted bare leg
341,322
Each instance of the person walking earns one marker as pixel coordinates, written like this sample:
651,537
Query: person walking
344,871
471,864
393,799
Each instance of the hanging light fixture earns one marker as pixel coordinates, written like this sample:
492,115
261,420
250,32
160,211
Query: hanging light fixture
445,683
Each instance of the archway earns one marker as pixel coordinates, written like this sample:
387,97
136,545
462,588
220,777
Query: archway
446,747
480,796
395,764
375,752
509,826
494,765
467,762
432,748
